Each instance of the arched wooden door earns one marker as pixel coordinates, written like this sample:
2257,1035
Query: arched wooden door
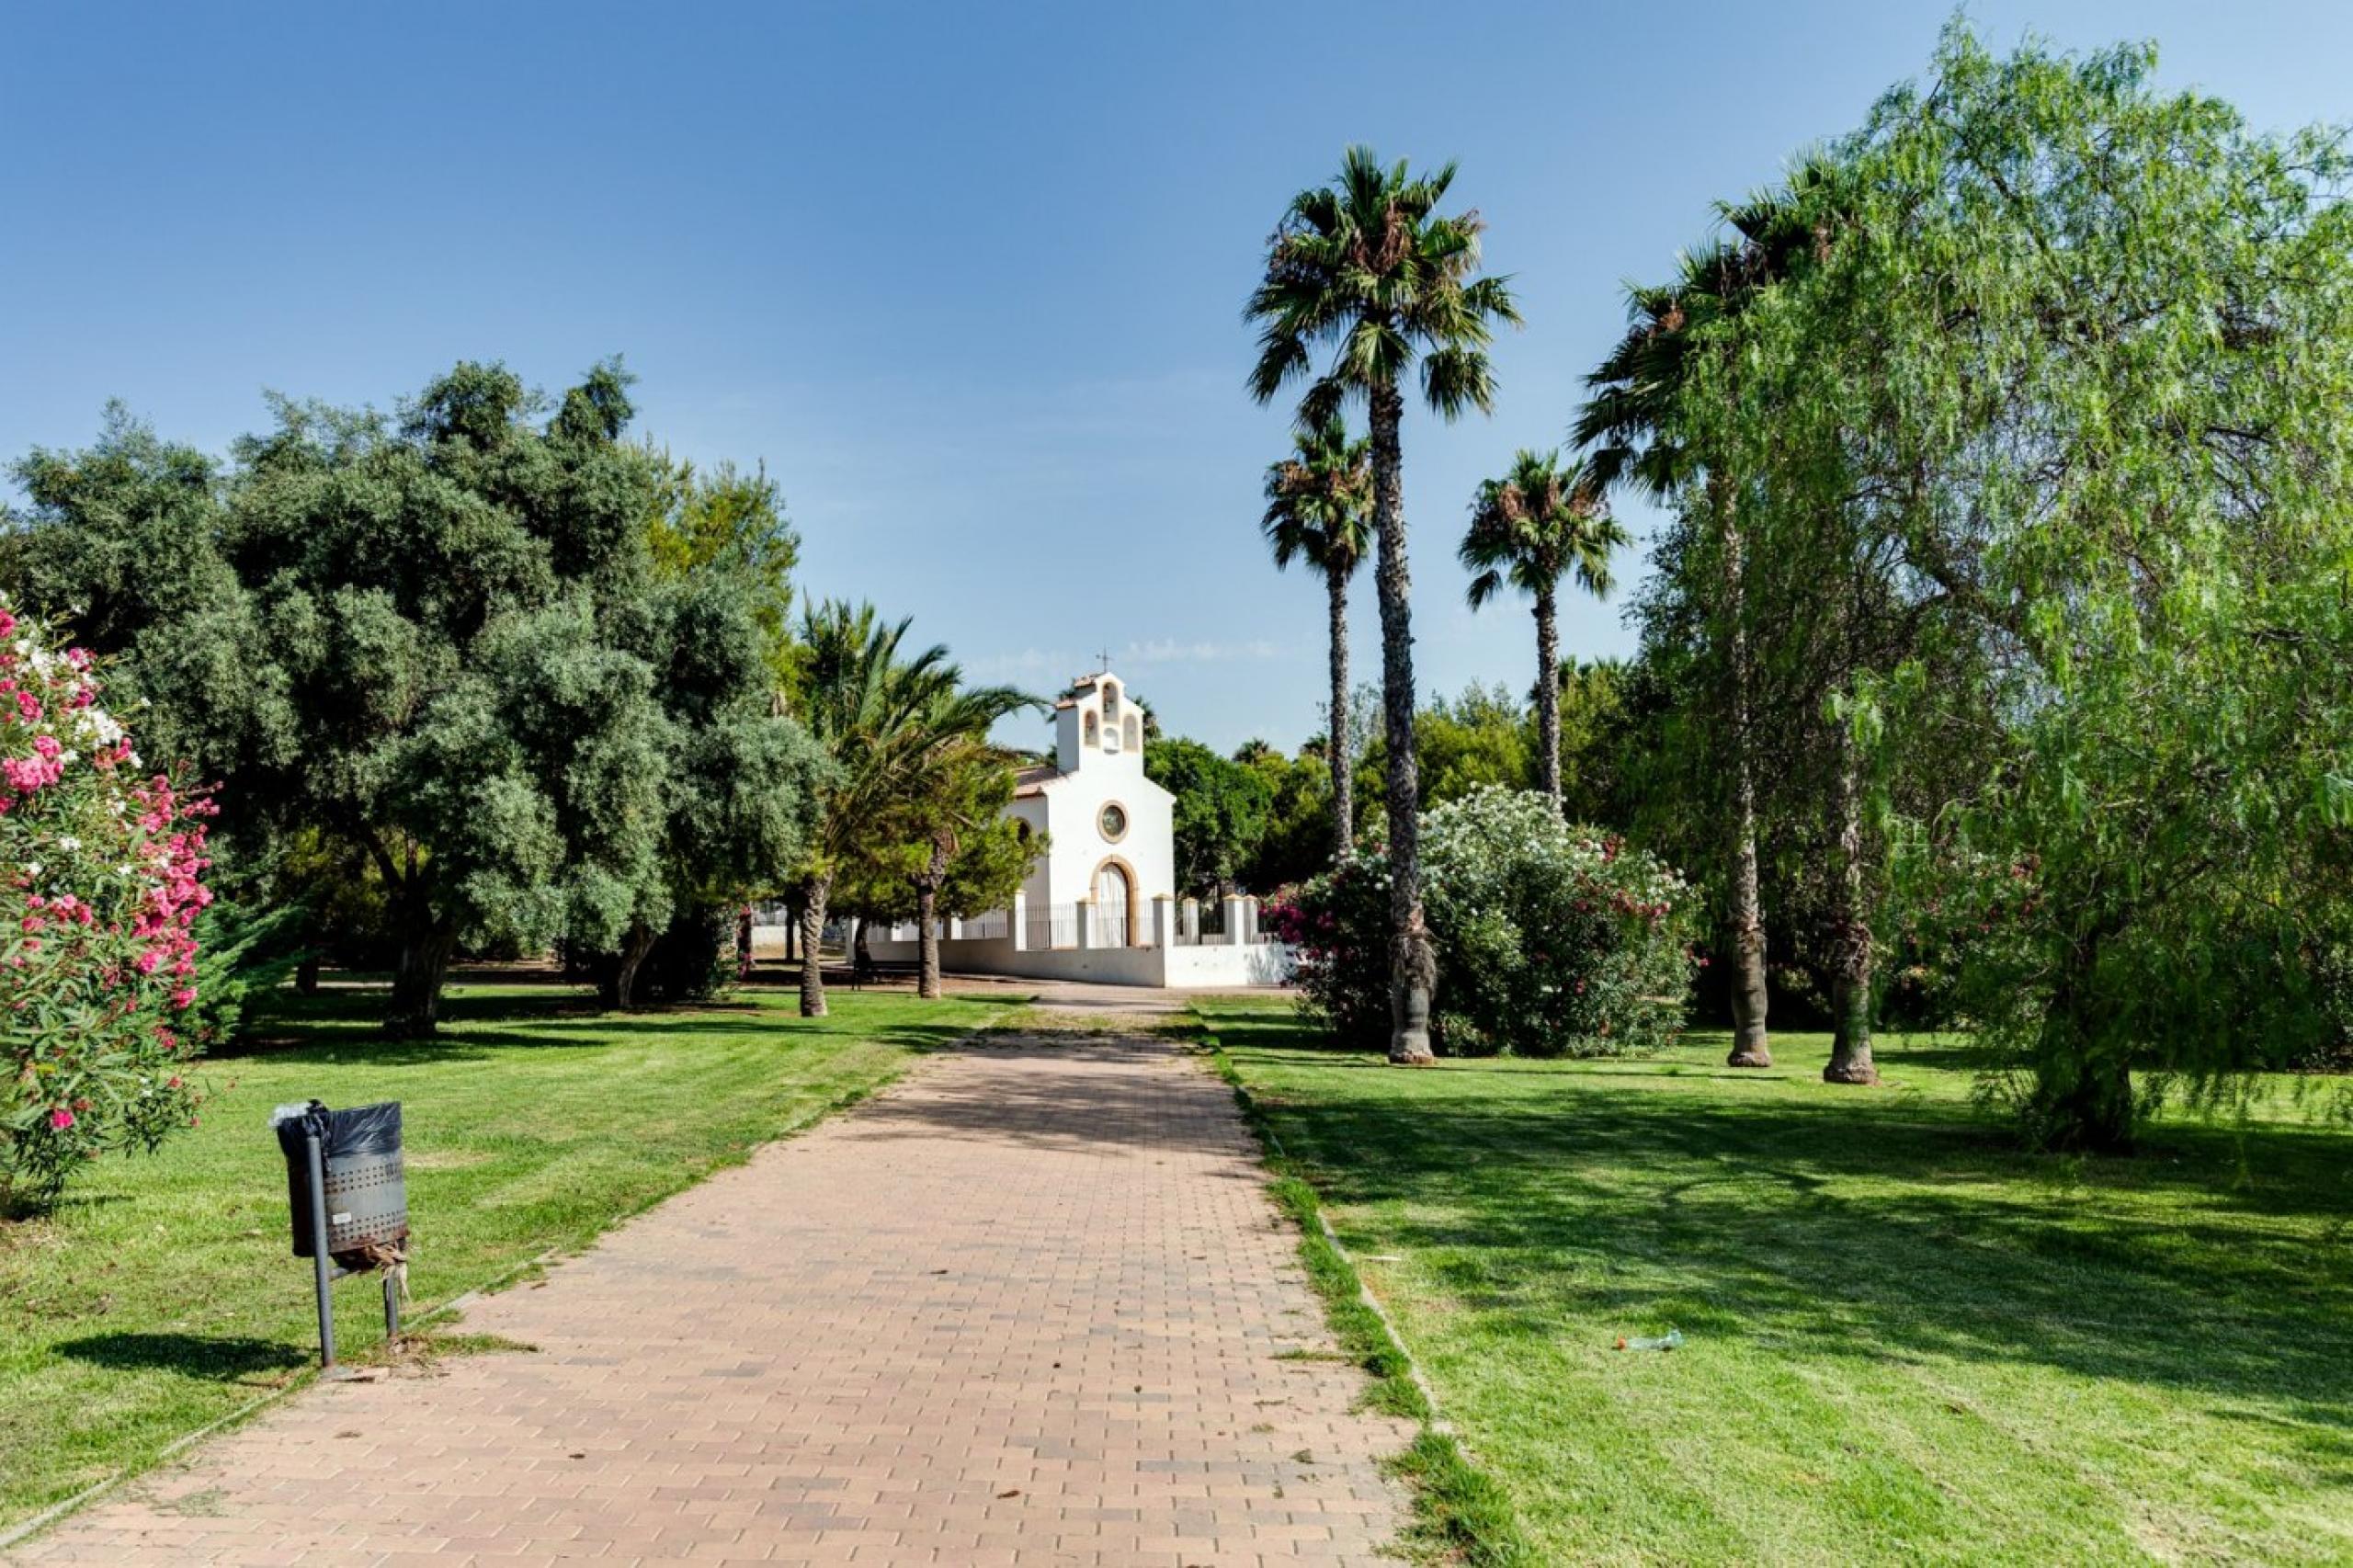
1114,905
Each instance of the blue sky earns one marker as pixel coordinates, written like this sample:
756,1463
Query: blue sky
966,278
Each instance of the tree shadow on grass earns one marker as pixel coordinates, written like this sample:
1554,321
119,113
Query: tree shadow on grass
474,1028
225,1359
1871,1229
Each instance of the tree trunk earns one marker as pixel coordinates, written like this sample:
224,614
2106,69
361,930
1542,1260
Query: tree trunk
813,894
1547,695
1850,953
2083,1098
2083,1104
1750,1046
418,977
926,941
306,976
1412,960
861,957
1341,744
621,992
928,922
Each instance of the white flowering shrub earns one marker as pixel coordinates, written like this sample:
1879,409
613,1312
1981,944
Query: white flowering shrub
1552,940
103,869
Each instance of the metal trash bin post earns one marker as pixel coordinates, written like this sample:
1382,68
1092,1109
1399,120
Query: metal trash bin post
348,1198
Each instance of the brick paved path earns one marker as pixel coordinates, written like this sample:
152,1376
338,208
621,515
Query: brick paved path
1029,1307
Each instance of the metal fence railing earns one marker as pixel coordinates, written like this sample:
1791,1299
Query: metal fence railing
1052,925
1210,925
996,923
1110,926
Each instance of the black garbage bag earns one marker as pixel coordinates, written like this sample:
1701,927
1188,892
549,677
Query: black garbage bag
368,1131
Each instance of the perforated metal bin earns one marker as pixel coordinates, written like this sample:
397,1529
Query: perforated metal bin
365,1189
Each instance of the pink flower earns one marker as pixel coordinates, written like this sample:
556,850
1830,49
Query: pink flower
61,1119
184,996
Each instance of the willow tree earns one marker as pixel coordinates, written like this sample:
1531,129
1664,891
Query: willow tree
1319,510
1367,270
1542,521
2104,336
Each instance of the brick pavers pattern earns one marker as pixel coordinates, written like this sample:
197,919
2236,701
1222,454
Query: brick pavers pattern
1032,1306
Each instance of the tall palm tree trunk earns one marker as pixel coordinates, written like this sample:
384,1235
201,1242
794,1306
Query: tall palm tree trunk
1750,1046
1341,744
813,894
1548,695
1851,982
1412,960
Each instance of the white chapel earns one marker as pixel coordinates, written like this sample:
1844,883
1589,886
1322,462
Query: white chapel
1109,829
1100,904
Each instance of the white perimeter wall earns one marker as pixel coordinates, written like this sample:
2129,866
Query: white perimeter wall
1212,966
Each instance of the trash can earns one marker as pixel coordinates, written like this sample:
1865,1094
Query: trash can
366,1197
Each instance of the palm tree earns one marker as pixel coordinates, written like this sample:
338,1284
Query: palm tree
1541,521
1319,510
887,724
957,791
1366,267
1634,428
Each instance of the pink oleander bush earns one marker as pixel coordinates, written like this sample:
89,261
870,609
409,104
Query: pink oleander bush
101,880
1552,940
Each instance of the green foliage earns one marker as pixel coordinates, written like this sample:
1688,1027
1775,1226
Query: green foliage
446,645
1483,738
733,522
1596,740
119,538
2107,333
1319,501
1298,840
245,950
1219,814
2007,444
1367,266
1552,940
912,770
1543,520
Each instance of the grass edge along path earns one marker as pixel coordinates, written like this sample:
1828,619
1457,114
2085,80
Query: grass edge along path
1461,1512
141,1451
413,1323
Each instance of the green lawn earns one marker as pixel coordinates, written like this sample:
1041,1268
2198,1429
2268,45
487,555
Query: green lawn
1906,1340
162,1294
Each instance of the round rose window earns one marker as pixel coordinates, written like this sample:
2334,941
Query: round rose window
1114,821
